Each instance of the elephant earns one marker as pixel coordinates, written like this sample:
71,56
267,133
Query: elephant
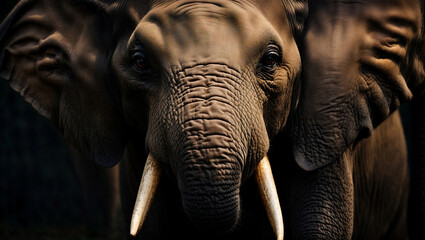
191,89
192,96
361,61
101,195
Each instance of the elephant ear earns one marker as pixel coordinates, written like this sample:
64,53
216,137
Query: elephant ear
296,11
56,55
355,73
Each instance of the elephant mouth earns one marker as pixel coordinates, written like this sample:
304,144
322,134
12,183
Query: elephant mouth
152,174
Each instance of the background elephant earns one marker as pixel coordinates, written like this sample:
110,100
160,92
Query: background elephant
203,87
45,187
361,61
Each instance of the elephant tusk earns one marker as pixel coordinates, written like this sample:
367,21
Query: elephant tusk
268,193
147,188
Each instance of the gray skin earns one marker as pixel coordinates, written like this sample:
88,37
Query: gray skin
361,61
101,195
201,86
204,87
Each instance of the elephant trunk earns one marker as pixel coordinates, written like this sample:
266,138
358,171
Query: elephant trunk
212,145
263,176
213,136
211,165
210,190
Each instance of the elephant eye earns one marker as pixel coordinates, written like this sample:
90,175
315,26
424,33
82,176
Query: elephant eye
141,72
270,60
139,60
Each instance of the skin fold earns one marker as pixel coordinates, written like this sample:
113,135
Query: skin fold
361,61
201,86
207,89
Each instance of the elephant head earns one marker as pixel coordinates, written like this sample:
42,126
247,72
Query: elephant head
55,54
361,60
201,86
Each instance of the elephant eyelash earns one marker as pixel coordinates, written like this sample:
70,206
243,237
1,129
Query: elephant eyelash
269,62
139,59
141,74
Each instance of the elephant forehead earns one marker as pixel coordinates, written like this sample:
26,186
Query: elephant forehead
210,9
186,31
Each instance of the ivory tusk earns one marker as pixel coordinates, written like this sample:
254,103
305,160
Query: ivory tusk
147,188
268,193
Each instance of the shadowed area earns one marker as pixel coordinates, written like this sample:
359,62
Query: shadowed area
40,197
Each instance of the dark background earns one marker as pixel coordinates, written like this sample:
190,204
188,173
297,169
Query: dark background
40,197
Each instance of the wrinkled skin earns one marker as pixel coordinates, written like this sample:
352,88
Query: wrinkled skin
361,60
201,86
204,86
361,195
207,112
